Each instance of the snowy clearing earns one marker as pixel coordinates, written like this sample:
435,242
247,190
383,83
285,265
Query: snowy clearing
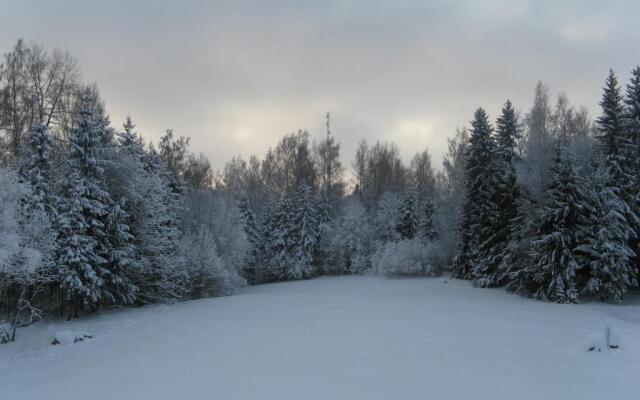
335,338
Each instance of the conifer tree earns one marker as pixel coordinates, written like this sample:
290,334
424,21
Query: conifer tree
619,154
610,270
426,219
479,212
307,225
37,168
563,223
253,236
408,213
84,240
507,192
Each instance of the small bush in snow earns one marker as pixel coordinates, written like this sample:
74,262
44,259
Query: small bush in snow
411,257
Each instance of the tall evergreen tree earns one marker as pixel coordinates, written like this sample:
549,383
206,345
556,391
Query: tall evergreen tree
253,236
564,221
84,211
619,154
507,192
610,270
479,213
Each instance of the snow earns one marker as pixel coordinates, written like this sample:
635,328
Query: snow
335,338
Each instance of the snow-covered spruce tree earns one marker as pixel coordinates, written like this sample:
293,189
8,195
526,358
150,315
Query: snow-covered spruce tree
618,150
250,227
85,244
631,120
408,216
507,191
479,214
307,226
120,257
36,169
610,269
564,223
279,238
426,219
350,238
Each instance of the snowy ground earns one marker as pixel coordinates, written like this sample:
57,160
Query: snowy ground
334,338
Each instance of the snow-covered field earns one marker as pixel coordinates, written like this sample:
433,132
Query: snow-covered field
335,338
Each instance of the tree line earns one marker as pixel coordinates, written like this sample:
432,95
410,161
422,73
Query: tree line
543,204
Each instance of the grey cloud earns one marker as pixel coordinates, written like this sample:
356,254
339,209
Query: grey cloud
235,76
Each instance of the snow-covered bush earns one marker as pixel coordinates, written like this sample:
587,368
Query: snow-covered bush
208,274
410,257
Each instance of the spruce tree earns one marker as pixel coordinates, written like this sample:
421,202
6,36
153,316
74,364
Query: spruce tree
563,222
408,214
84,240
610,270
479,213
37,168
307,224
619,154
507,192
426,219
631,120
253,236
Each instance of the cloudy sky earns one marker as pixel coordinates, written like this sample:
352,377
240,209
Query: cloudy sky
235,76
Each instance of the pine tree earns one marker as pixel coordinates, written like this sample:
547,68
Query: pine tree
408,224
479,213
563,223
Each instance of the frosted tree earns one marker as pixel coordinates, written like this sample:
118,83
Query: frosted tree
161,275
563,222
610,271
121,260
250,227
350,239
208,274
539,143
331,170
631,120
479,213
619,153
279,235
307,225
408,216
85,207
427,229
387,217
27,248
507,191
37,168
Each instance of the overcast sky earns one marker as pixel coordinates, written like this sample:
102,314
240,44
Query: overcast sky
236,76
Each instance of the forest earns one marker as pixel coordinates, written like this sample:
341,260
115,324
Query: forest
543,203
